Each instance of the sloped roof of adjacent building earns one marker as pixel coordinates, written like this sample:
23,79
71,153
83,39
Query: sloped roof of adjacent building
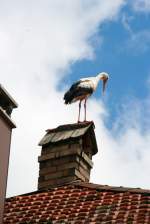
6,97
79,203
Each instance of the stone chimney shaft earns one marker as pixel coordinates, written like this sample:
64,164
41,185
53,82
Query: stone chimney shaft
66,155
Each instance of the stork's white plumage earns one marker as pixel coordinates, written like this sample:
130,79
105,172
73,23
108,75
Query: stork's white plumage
84,88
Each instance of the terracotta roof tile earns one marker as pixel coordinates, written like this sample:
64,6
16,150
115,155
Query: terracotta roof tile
80,203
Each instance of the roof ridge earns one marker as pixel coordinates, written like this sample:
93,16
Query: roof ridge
91,186
112,188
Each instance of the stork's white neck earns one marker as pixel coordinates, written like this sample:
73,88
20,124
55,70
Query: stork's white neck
95,80
100,76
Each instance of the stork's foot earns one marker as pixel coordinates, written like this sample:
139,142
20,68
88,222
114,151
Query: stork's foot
79,122
87,121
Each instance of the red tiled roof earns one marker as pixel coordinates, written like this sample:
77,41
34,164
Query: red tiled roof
80,203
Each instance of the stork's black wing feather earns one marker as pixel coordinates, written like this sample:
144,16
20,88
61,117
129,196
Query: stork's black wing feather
77,90
69,94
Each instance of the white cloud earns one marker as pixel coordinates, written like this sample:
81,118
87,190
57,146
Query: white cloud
141,5
139,41
126,22
39,40
124,154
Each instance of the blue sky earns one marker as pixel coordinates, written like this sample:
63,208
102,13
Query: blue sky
125,61
45,47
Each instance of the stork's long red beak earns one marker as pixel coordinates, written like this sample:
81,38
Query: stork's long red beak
104,84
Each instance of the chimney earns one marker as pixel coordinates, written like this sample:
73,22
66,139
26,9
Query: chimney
66,155
7,104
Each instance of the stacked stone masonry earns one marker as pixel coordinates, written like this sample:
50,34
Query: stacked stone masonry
60,164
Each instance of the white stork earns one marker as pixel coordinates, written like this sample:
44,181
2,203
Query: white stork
84,88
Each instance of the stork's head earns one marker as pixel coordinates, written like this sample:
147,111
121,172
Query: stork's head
104,77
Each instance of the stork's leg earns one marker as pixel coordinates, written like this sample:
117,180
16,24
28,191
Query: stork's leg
85,110
79,111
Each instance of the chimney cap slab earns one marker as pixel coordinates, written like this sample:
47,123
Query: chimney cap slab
7,97
7,103
68,132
